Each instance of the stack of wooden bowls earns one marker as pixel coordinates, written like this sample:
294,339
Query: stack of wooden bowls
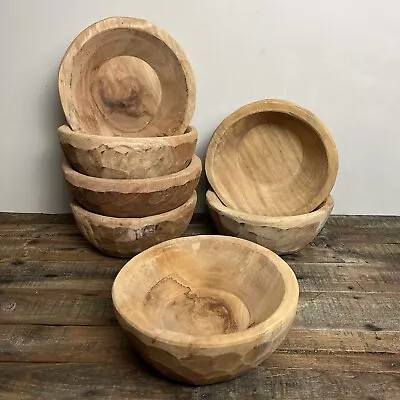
128,94
272,166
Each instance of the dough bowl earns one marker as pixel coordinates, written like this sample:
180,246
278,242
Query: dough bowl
133,197
127,158
204,309
126,77
283,235
283,160
126,237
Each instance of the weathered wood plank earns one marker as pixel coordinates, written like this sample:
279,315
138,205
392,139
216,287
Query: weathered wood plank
351,234
350,277
77,381
374,311
99,275
334,233
364,221
344,240
331,233
340,220
341,341
40,219
344,253
108,344
199,225
344,343
67,275
73,248
42,235
35,231
63,247
55,307
35,218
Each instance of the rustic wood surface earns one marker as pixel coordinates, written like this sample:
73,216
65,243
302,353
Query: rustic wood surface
59,338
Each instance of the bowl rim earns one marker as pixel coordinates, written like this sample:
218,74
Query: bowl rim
287,306
111,24
139,185
326,207
290,109
189,136
129,221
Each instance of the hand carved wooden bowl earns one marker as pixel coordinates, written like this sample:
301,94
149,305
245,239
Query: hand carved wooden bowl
283,235
126,237
272,158
126,77
127,158
204,309
128,198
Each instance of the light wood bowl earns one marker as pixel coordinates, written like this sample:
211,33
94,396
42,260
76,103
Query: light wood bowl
126,237
127,158
204,309
272,158
283,235
128,198
126,77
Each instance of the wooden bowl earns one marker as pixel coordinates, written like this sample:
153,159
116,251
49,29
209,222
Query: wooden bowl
272,158
126,237
127,158
204,309
128,198
283,235
126,77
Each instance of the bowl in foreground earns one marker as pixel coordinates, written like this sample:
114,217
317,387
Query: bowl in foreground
126,77
114,157
204,309
272,158
133,197
126,237
283,235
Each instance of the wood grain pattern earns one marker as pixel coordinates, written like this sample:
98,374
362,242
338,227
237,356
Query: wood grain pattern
283,160
99,275
282,235
77,381
126,237
133,198
126,77
108,344
72,248
59,337
205,309
351,223
127,158
326,310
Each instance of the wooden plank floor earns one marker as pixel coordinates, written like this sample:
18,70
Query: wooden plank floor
59,338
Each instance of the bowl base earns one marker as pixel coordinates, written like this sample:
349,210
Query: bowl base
195,311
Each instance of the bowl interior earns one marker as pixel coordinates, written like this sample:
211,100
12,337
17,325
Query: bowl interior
126,80
279,162
204,285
